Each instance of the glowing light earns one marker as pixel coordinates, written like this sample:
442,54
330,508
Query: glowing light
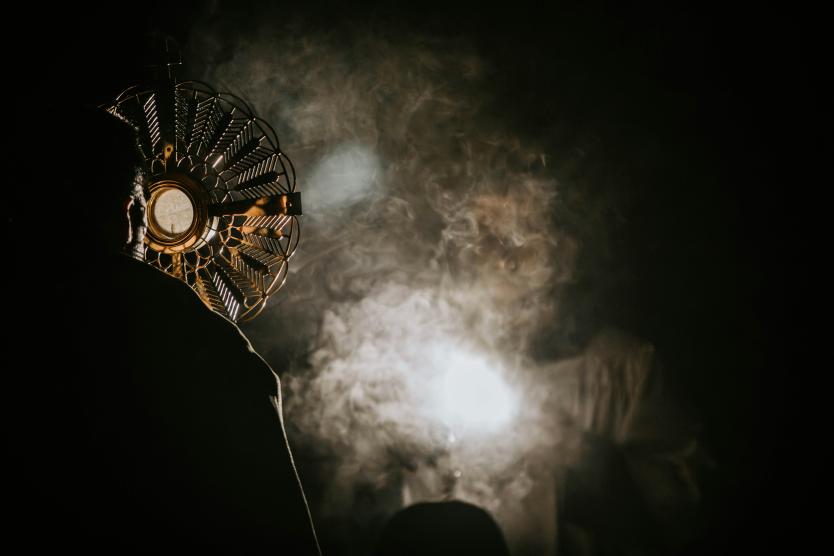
173,212
346,175
473,396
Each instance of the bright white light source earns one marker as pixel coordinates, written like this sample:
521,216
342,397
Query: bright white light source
474,396
346,175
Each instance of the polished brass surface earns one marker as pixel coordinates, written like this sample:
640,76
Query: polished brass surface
167,241
206,151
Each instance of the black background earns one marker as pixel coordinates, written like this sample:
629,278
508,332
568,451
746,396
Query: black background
712,131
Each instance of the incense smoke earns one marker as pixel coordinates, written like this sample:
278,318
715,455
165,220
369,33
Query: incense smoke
429,260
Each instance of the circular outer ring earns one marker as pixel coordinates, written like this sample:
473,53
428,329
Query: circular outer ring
193,237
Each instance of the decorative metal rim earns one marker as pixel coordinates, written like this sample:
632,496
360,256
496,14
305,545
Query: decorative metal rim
229,163
191,238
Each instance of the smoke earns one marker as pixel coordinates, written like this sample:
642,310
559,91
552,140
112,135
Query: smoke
347,175
428,248
429,251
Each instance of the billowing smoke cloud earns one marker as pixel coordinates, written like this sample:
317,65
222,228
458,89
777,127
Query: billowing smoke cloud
429,253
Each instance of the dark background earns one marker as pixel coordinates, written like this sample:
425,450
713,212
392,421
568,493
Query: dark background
704,126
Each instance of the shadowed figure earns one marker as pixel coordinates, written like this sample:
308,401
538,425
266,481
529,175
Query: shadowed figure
140,421
440,529
633,484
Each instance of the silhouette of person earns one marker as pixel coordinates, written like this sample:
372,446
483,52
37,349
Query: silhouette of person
441,529
140,421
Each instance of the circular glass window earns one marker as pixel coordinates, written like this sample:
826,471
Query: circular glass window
172,212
